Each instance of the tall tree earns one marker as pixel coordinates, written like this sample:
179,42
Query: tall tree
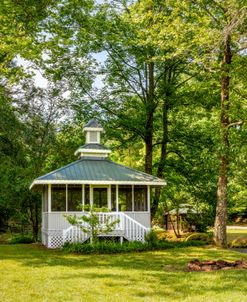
212,32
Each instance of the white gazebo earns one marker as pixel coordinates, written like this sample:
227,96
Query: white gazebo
95,180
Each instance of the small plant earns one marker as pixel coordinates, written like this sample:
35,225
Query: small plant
151,238
90,223
21,239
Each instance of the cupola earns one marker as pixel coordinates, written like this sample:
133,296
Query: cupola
93,130
93,148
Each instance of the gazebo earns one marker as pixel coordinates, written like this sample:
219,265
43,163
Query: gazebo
95,180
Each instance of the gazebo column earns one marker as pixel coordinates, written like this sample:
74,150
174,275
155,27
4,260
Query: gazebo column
148,198
83,197
132,198
91,195
109,197
49,198
117,207
66,198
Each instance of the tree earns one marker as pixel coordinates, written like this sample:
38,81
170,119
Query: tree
211,32
19,28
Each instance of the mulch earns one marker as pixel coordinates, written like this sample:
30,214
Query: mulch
211,265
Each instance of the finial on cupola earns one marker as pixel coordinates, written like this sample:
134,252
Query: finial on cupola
93,148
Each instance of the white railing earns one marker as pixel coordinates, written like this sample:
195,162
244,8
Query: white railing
131,229
74,234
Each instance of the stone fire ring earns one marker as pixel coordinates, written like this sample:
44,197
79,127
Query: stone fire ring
207,266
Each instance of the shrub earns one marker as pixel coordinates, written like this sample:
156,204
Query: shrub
21,239
104,247
151,238
162,235
203,237
239,243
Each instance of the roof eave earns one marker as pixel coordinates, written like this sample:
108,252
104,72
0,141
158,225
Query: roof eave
97,182
100,151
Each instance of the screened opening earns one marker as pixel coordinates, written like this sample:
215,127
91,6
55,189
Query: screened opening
58,198
74,198
86,195
125,198
93,137
140,198
100,197
113,198
45,199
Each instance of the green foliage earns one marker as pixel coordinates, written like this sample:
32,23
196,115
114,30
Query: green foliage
21,239
126,247
203,237
201,221
91,224
238,243
151,238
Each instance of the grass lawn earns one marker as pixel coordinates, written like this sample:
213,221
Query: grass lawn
236,233
33,273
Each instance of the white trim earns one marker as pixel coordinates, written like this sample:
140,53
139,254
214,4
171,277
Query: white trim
132,198
109,197
66,198
148,198
49,198
43,201
117,207
92,129
91,195
98,182
83,197
82,150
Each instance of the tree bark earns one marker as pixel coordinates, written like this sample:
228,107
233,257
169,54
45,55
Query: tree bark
150,107
220,237
163,154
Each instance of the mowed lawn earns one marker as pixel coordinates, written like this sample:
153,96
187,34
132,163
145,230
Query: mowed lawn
236,233
34,273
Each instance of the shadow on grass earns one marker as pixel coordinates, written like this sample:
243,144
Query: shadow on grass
170,259
153,275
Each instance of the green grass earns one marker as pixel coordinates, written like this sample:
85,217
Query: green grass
235,234
33,273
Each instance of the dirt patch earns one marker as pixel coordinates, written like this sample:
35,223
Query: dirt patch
211,265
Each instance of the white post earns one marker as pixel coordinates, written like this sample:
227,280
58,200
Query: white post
117,209
148,198
109,197
83,197
66,196
91,195
43,200
133,196
49,198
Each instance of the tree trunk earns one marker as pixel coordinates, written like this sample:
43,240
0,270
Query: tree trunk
163,154
150,107
220,237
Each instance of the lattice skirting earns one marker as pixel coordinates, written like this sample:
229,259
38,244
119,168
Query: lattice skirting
52,239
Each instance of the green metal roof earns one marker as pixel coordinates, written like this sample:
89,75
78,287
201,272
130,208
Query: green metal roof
93,123
93,146
91,170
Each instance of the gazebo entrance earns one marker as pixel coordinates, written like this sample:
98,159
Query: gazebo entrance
100,197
